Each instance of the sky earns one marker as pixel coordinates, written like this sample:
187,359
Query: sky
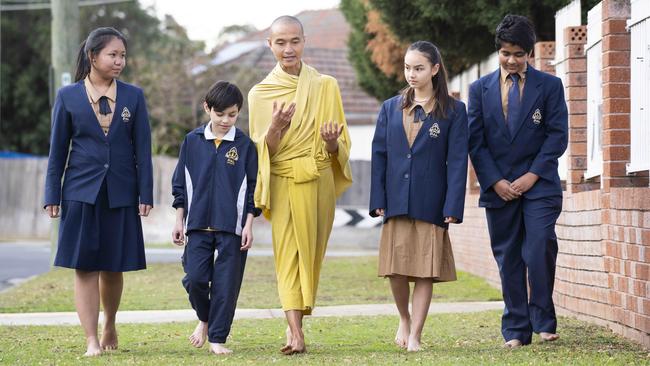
204,19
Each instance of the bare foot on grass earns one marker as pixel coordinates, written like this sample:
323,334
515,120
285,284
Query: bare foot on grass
219,349
297,346
549,337
414,343
109,338
513,344
200,335
403,331
92,347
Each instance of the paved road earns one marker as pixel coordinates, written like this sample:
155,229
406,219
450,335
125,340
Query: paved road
22,260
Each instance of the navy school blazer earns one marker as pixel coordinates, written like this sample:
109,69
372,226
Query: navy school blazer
426,181
216,186
123,157
539,141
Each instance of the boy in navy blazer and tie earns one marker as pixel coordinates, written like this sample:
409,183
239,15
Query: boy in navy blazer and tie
518,130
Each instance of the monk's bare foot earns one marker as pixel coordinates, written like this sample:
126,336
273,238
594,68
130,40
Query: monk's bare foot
413,343
297,346
219,349
109,338
549,337
200,335
92,347
513,344
287,346
403,332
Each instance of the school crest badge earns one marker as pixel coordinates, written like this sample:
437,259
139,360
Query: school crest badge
434,131
126,115
232,156
537,117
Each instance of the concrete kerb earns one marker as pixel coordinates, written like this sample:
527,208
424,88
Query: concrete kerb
171,316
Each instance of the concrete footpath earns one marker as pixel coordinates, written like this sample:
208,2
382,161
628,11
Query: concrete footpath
169,316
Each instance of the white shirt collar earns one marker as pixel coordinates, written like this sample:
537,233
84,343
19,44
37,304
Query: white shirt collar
230,136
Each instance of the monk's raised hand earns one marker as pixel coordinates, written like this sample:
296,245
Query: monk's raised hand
281,118
330,131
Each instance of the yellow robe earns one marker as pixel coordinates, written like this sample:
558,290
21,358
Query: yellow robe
297,186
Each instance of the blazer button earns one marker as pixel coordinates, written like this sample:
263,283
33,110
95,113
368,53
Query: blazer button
408,156
106,166
406,176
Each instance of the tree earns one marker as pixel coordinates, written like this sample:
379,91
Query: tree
370,77
160,58
24,93
462,30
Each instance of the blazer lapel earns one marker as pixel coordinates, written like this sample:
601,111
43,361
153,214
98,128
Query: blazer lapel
119,106
493,100
426,125
531,93
398,124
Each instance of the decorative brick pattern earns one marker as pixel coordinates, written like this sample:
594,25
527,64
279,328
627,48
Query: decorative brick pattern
544,55
575,92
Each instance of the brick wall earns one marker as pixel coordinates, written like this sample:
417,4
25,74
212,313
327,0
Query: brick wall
471,243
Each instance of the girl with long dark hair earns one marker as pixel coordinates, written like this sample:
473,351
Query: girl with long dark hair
419,170
101,147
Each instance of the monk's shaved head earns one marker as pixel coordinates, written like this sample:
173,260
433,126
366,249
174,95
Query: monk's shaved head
287,41
286,20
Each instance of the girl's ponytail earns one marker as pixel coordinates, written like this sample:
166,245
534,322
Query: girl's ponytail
83,63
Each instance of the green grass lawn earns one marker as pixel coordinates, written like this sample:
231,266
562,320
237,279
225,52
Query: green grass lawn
450,339
351,280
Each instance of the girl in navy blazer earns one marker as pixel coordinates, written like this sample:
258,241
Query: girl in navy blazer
419,170
101,146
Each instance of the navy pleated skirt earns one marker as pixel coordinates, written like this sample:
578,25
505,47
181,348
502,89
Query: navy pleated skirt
99,238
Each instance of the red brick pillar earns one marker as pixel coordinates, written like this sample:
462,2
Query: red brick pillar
544,55
625,237
575,92
616,97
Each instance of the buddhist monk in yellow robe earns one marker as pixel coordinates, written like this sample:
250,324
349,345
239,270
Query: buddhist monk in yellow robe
297,122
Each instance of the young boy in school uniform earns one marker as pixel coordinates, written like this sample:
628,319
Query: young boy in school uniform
518,130
213,187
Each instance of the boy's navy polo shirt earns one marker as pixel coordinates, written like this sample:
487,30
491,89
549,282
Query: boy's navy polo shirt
215,186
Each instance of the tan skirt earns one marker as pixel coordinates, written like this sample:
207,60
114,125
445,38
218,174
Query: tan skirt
416,249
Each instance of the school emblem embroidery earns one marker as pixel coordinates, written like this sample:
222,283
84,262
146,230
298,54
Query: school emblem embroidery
126,115
537,117
434,131
232,156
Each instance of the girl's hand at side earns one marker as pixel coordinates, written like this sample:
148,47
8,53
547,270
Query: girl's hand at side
53,210
379,212
450,220
144,210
